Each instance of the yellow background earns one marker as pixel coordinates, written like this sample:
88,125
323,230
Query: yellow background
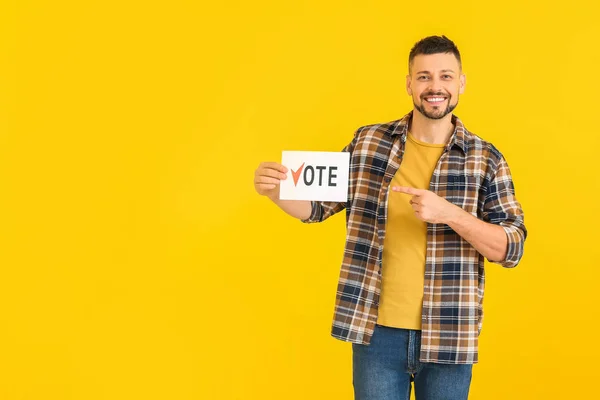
136,260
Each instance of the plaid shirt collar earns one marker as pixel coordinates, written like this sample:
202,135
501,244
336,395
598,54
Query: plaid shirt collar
457,138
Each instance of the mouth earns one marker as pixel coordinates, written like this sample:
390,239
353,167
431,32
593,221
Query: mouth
435,100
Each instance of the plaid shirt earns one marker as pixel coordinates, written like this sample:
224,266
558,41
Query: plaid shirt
472,174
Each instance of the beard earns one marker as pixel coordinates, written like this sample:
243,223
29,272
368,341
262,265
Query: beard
438,113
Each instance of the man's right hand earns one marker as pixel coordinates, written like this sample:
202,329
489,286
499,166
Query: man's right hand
267,177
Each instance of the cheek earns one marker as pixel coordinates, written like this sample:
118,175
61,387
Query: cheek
454,92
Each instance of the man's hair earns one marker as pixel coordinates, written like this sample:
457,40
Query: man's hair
433,45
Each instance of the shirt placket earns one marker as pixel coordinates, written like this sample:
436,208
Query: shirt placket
394,161
429,283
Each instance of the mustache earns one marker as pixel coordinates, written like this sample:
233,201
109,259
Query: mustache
442,94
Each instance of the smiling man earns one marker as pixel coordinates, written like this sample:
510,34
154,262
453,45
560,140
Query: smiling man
428,201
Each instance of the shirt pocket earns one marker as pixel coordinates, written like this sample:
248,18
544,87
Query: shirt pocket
464,191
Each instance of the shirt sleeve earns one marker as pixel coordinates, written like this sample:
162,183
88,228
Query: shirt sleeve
321,210
502,208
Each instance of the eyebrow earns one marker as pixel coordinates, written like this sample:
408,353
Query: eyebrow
427,72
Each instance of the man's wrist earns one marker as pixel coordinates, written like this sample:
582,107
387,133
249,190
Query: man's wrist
274,197
455,215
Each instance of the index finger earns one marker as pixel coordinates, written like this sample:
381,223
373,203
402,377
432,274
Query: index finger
407,190
275,166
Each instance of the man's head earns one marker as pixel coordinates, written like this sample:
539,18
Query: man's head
435,79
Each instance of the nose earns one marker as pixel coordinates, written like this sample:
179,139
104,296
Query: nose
435,85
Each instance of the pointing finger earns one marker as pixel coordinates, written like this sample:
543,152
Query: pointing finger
407,190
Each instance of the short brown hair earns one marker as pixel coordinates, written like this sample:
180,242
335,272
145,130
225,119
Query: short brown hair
434,45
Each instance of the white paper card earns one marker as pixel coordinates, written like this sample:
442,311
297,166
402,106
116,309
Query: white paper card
315,175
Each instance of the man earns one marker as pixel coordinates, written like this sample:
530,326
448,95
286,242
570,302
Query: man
427,201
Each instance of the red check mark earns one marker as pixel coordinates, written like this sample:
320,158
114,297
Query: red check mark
296,174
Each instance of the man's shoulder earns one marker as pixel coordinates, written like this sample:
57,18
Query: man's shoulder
379,129
383,127
479,146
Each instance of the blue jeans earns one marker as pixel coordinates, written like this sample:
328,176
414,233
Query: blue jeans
384,370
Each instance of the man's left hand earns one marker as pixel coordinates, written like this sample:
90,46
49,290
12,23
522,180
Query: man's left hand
428,206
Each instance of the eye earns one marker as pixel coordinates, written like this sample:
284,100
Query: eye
447,76
421,78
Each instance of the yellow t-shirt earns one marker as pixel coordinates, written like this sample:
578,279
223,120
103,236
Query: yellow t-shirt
405,244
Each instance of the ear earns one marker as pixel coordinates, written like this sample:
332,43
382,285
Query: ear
463,83
408,88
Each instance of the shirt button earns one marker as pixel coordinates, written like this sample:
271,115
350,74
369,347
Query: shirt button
388,180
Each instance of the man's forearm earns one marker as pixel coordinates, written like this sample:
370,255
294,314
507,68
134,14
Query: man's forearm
488,239
300,209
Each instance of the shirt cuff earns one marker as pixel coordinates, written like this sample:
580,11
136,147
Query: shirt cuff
515,246
315,214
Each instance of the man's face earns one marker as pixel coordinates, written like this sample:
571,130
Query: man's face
435,82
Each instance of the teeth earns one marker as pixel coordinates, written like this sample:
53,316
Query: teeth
435,99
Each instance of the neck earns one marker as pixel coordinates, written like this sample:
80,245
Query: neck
434,131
